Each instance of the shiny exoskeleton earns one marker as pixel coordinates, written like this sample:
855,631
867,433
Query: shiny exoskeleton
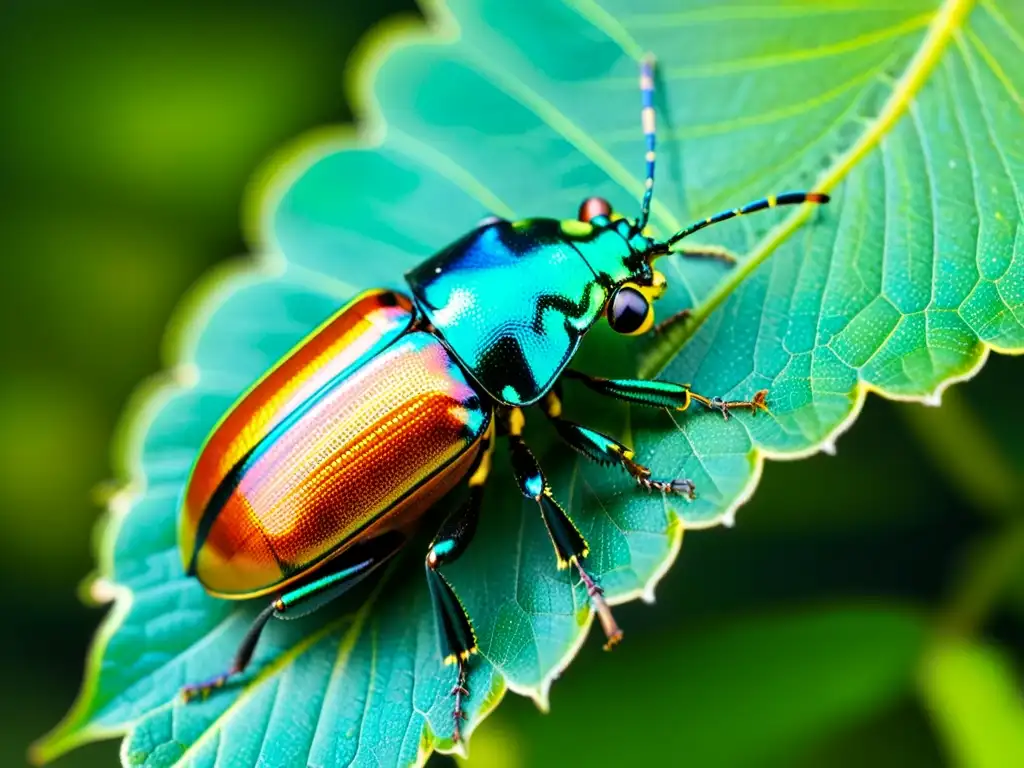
320,472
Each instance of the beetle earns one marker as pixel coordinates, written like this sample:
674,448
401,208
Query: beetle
315,478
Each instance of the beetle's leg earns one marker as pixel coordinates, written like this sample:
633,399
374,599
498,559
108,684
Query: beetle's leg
664,394
677,317
570,546
348,569
454,630
709,252
605,450
242,657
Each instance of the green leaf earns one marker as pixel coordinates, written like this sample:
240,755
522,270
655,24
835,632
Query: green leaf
974,696
910,116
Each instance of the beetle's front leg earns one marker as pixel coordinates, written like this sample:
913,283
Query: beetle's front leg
333,580
570,546
454,630
605,450
663,394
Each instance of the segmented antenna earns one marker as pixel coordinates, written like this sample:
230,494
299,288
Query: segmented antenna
647,121
788,198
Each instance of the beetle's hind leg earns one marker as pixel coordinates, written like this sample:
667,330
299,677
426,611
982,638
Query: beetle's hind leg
242,658
664,394
454,629
604,450
570,546
336,578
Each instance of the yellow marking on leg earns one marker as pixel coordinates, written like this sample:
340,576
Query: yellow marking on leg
460,656
686,402
516,422
482,471
479,477
552,405
772,201
621,452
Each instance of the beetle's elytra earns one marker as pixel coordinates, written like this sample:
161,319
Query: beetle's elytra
318,474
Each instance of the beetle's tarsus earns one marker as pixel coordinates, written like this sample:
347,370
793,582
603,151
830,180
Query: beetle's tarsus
203,690
725,407
459,691
642,475
684,487
601,608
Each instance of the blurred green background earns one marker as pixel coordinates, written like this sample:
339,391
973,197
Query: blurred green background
128,135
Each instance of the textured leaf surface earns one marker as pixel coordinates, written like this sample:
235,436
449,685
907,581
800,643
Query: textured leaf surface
911,117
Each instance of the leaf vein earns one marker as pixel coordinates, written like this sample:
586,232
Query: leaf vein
802,54
972,72
448,167
994,66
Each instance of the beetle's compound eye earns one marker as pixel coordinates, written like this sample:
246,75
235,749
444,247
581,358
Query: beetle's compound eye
630,312
593,207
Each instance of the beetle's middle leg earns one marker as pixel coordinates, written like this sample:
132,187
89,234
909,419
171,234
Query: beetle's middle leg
605,450
454,630
570,546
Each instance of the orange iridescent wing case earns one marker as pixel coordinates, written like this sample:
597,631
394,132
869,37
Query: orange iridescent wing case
359,431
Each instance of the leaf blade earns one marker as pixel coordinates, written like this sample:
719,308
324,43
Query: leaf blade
820,323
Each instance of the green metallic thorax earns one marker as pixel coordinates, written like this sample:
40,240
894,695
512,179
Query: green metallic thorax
512,300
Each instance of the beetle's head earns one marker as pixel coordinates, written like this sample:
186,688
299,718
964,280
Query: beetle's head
619,253
623,254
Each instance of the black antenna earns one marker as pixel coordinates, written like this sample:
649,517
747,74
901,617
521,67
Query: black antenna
788,198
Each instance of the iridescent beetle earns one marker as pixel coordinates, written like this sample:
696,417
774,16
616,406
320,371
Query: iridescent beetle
316,477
